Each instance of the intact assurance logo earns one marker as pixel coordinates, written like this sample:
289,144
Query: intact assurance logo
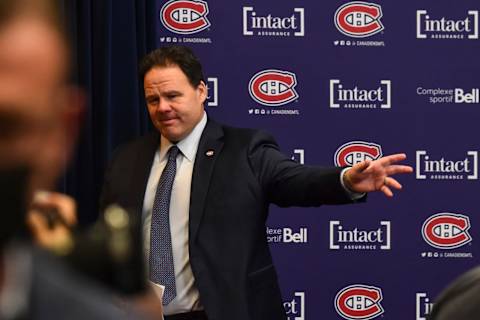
450,95
291,24
423,306
358,20
359,302
299,156
274,88
355,97
212,85
295,307
431,26
186,18
430,167
355,238
353,152
447,231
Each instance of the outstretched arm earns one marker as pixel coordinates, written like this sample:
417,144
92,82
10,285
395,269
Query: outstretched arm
369,176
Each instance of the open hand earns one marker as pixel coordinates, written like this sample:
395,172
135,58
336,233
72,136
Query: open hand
369,176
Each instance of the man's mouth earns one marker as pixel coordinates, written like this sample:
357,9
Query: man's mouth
167,121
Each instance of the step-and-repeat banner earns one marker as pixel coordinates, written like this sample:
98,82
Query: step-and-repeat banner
339,82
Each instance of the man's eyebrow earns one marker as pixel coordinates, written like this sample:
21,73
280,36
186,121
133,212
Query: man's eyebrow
172,92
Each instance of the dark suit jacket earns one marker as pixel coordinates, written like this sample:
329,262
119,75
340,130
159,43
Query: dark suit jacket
230,195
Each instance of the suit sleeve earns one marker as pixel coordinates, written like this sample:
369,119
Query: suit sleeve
288,183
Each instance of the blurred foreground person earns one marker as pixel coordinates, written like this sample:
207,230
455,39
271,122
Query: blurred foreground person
39,116
460,300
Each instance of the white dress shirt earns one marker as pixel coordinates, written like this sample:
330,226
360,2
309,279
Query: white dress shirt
188,298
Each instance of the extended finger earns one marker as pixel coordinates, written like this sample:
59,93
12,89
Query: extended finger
392,158
395,169
359,167
390,182
386,190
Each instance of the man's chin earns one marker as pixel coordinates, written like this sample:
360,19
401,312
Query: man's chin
171,135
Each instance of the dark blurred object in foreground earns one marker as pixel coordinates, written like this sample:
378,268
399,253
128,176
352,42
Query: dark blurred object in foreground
460,300
107,251
12,202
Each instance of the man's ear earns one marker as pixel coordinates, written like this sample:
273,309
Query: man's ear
202,90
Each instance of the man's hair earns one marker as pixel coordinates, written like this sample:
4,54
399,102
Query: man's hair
180,56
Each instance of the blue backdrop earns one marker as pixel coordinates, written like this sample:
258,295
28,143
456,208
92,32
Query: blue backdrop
335,83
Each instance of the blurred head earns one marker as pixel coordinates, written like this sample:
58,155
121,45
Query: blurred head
38,111
174,90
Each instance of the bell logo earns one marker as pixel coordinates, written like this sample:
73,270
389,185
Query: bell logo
287,235
359,19
273,87
467,97
351,153
446,230
359,302
185,16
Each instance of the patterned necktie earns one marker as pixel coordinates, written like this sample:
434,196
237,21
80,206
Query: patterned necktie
162,270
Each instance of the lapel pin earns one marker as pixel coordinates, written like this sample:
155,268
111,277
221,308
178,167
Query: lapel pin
210,153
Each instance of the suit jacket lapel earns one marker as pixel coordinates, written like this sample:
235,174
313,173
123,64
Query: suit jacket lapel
209,148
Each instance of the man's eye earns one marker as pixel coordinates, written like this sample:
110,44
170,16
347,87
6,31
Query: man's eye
153,101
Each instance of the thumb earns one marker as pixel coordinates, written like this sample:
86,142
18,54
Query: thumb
359,167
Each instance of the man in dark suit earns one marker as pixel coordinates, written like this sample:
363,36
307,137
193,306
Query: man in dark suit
204,190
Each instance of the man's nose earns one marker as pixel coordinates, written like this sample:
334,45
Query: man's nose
163,106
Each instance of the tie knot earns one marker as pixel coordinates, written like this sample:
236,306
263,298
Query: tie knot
173,153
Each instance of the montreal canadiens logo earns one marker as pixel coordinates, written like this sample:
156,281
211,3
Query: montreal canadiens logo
185,16
359,19
446,230
273,87
359,302
355,152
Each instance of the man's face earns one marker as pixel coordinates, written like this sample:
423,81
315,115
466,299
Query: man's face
32,68
174,105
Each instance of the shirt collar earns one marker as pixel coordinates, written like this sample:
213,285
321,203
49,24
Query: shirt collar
188,146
